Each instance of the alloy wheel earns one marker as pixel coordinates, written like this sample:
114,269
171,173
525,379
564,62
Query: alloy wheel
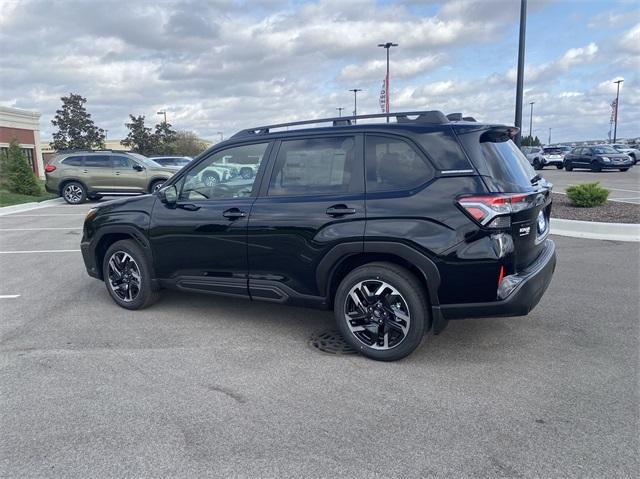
377,314
210,180
73,193
124,276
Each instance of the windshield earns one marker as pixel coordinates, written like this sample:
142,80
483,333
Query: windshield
507,164
604,149
147,161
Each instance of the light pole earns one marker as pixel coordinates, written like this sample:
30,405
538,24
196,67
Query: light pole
355,101
340,111
615,125
520,78
549,137
220,133
531,123
387,46
163,112
106,135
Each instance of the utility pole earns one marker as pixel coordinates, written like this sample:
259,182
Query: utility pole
387,46
220,133
355,101
163,112
615,125
106,135
549,137
340,111
531,122
520,79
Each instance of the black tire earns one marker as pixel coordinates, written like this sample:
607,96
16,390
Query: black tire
210,179
156,185
568,166
559,167
624,169
596,166
145,295
74,193
537,164
413,305
95,197
633,157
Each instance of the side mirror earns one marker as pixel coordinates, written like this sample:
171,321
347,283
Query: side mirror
168,195
138,167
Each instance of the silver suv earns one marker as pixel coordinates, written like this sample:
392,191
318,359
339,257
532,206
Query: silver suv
79,175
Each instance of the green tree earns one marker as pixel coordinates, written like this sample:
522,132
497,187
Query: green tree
19,175
76,130
140,138
529,141
164,138
187,143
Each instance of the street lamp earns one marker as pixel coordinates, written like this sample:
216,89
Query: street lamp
340,111
520,77
220,133
106,134
355,101
531,123
387,46
549,137
615,128
163,112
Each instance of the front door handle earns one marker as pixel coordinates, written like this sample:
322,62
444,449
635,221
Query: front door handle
189,207
339,210
234,214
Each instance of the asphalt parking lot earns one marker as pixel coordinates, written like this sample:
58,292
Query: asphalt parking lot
201,386
623,186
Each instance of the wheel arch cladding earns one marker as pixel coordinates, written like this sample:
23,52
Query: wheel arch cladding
111,237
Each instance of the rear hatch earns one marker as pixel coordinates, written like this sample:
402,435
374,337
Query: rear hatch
518,199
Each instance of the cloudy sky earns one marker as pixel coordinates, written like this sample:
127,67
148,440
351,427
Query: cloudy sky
222,65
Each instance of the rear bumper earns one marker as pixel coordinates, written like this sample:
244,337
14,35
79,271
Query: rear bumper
525,297
51,189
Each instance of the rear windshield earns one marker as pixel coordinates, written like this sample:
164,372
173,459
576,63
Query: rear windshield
554,151
507,164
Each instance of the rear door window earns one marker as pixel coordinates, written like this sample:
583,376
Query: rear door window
72,161
97,161
121,162
392,164
316,166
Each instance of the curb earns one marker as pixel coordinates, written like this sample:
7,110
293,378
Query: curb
7,210
593,230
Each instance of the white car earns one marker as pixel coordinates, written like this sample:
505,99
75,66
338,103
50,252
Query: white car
535,156
553,155
627,150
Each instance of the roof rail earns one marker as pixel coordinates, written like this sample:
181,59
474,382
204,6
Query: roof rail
80,150
435,117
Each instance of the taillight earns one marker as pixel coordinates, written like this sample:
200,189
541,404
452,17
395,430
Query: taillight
493,210
49,168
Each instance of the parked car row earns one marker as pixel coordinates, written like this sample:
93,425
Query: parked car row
595,158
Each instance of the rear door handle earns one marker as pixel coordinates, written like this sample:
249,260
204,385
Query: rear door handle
189,207
339,210
234,213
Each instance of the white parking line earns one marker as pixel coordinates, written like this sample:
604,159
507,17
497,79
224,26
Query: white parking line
42,251
9,296
37,229
43,216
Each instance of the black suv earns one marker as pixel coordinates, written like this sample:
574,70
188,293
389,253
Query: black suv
397,226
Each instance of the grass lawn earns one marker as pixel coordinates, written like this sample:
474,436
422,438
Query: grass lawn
7,198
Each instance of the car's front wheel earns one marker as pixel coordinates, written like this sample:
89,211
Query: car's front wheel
74,193
537,164
624,169
381,310
127,275
596,166
211,179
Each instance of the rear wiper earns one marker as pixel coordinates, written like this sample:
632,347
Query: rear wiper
535,179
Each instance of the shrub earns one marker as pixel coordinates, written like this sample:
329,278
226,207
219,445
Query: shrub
587,195
20,178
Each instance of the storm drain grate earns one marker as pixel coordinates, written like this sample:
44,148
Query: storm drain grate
331,342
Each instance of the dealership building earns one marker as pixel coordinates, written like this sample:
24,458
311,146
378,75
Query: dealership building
24,126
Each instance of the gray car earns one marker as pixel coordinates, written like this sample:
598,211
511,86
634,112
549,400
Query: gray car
79,175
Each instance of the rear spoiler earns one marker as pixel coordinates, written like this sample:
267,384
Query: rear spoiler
499,133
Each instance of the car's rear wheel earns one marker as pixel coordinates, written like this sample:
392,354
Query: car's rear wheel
74,193
596,166
127,275
381,310
559,167
246,173
624,169
211,179
537,164
568,166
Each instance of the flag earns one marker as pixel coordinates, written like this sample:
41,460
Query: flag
614,107
383,96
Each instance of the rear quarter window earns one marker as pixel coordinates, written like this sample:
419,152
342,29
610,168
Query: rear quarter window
507,164
72,161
